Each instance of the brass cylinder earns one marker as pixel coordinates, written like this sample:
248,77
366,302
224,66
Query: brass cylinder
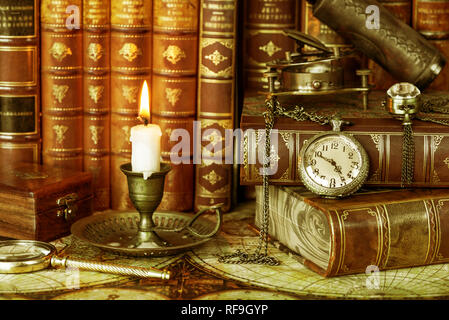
394,45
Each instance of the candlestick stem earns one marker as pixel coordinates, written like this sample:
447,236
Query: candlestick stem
146,195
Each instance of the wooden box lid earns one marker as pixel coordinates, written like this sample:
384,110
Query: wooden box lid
40,186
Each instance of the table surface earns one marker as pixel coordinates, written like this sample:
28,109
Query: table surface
197,274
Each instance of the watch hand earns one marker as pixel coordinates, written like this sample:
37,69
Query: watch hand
332,162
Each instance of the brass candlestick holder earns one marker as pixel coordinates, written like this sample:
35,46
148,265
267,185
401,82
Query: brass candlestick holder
148,233
146,195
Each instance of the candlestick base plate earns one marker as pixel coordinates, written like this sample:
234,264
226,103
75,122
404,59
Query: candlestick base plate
143,239
174,232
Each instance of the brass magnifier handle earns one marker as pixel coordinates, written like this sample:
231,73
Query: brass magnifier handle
71,263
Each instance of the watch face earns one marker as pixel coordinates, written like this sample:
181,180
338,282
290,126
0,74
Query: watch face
334,165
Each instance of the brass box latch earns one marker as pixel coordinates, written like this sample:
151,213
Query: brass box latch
67,206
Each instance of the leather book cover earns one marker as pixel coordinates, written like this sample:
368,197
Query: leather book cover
20,107
62,84
375,129
130,56
174,92
97,77
431,18
216,99
371,230
264,40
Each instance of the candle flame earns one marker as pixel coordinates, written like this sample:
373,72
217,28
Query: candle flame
144,112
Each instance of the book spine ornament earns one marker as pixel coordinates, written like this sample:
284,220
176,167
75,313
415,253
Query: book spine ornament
96,49
216,101
62,83
174,94
131,50
20,134
397,229
264,40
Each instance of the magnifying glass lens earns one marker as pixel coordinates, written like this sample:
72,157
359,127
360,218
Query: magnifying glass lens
17,256
14,252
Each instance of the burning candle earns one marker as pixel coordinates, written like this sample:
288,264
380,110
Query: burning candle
145,139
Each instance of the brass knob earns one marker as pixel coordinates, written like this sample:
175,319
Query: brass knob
316,84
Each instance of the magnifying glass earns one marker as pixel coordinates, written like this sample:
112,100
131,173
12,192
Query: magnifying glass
21,256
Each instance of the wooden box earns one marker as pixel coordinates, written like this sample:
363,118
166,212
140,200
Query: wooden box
41,203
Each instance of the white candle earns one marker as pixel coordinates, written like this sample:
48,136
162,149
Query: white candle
146,140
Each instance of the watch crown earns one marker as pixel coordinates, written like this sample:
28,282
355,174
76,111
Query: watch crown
337,123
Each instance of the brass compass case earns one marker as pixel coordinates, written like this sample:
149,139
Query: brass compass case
333,164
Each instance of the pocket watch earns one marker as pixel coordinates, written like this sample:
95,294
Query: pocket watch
333,164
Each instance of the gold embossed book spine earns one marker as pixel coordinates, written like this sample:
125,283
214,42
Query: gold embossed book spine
130,54
431,19
96,44
174,93
216,101
264,40
62,83
20,134
370,231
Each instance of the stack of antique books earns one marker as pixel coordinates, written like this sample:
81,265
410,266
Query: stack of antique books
384,225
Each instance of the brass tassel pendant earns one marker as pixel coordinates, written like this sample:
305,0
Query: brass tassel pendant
404,102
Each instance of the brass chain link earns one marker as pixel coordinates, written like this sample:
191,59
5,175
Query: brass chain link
408,156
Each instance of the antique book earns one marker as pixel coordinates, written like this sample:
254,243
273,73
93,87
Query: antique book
62,83
380,79
379,134
40,202
264,40
369,231
20,134
130,56
431,18
216,100
174,92
314,27
96,48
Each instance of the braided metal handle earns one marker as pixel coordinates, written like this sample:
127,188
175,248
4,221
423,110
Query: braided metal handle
67,262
